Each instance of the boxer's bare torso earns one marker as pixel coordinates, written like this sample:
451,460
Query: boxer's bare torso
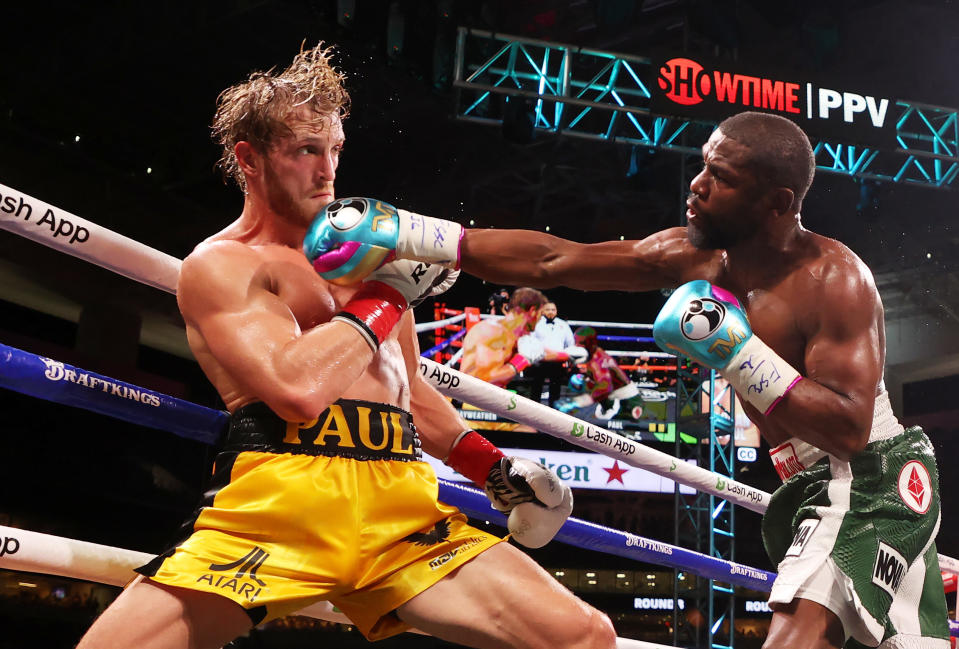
276,278
796,299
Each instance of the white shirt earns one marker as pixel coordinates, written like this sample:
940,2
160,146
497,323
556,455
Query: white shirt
556,335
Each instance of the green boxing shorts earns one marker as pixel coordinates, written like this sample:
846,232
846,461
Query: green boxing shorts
858,536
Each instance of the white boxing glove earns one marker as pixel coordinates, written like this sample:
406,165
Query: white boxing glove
415,280
529,351
444,281
537,502
386,293
577,354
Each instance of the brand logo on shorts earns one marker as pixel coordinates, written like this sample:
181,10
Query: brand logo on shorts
786,461
803,534
446,556
246,566
915,486
889,569
437,534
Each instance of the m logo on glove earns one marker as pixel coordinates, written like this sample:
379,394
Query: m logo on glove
344,213
702,318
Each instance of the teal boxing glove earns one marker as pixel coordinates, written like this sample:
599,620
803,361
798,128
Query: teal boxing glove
708,324
352,237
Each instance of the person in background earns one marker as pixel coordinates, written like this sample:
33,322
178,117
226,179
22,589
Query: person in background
497,350
603,383
498,302
555,334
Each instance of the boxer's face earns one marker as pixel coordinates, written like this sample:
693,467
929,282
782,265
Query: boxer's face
299,169
724,206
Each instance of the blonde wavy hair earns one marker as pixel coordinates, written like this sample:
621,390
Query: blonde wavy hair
257,109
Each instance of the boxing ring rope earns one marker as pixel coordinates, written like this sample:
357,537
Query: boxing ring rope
35,552
622,352
28,551
477,392
613,325
439,324
60,230
443,345
44,378
142,406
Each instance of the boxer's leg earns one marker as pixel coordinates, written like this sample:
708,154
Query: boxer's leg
502,598
148,615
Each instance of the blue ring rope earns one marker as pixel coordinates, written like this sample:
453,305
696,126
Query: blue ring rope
30,374
44,378
47,379
443,345
628,339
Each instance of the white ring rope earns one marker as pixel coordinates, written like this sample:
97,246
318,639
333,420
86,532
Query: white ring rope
56,555
60,230
618,325
439,324
477,392
139,262
639,354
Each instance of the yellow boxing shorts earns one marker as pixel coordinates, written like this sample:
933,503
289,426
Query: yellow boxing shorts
341,508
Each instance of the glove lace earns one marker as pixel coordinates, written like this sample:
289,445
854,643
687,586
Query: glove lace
504,490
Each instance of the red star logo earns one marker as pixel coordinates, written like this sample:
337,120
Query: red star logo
916,488
615,473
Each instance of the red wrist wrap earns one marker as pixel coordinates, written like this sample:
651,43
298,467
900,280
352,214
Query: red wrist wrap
519,361
473,456
376,307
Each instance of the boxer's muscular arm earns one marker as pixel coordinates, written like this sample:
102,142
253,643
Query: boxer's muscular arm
528,258
251,333
843,360
434,416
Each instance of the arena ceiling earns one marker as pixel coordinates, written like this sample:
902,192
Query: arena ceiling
96,94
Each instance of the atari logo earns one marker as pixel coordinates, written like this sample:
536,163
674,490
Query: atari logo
246,565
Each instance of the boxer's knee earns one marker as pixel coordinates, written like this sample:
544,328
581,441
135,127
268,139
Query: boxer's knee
592,630
804,624
602,633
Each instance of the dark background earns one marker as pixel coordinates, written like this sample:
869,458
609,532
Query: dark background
137,82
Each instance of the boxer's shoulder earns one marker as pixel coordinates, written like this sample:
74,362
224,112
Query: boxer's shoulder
831,275
680,259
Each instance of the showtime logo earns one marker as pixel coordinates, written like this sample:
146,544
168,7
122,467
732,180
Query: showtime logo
687,83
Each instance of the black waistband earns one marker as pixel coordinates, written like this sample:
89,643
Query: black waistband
361,430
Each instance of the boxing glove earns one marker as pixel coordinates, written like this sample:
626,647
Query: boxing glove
708,324
572,404
576,354
529,351
536,501
351,237
577,383
387,292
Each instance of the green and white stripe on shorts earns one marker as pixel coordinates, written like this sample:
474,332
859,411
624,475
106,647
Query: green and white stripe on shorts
858,537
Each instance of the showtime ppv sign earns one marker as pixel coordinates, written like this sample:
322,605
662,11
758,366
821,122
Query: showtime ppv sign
689,87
